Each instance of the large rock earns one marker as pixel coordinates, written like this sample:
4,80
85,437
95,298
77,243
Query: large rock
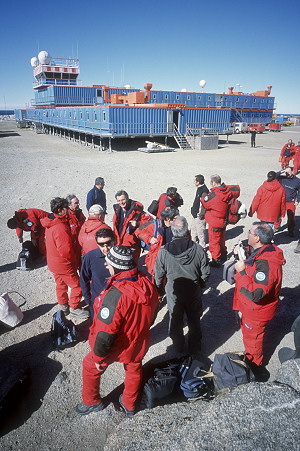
254,416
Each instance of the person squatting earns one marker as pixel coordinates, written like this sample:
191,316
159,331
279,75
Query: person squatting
100,263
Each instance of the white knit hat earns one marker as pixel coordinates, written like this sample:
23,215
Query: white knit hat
96,210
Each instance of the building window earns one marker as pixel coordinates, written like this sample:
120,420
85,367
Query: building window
263,100
74,115
104,116
166,96
188,98
154,96
80,114
70,114
254,100
237,99
199,97
209,98
177,97
246,99
225,98
87,116
99,92
95,116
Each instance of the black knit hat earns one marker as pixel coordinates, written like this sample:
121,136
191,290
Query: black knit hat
120,257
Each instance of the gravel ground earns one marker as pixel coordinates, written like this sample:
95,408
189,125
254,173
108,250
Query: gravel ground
36,168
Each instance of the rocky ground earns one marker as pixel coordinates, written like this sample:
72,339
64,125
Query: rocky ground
34,169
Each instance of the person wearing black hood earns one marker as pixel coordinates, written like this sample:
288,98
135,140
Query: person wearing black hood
185,266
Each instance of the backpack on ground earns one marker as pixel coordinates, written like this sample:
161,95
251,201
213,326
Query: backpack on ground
163,384
14,380
230,370
196,382
235,211
27,256
63,331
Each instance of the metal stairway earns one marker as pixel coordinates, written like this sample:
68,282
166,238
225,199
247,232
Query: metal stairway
181,139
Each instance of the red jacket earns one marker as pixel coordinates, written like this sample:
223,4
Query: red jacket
297,154
76,220
125,236
124,312
86,237
269,202
145,232
216,204
29,219
257,288
163,202
61,257
287,149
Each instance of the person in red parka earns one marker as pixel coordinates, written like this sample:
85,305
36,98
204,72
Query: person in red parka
124,312
29,220
256,295
156,233
95,221
216,208
286,154
129,214
76,220
61,258
296,158
269,201
169,199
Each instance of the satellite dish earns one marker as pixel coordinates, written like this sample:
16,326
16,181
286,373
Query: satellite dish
183,90
127,86
44,57
202,83
34,61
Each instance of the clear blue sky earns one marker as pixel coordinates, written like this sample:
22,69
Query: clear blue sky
172,44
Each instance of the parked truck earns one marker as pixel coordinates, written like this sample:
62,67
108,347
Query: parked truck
240,127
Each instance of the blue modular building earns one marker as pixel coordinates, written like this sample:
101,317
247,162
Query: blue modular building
60,104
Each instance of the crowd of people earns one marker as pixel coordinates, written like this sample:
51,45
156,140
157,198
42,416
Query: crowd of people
95,268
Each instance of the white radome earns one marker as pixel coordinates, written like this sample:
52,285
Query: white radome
34,61
202,83
183,90
44,57
127,86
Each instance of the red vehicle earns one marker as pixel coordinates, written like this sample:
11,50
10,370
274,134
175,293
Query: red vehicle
260,128
274,127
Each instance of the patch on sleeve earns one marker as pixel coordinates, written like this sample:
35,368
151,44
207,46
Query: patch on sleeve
109,305
206,198
260,276
104,313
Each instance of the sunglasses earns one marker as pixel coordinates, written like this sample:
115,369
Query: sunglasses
106,243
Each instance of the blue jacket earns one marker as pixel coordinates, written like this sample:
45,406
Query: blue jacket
291,186
96,196
93,275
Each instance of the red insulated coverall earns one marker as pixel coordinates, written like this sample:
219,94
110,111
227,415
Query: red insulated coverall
86,237
256,296
269,202
286,155
120,332
296,159
29,220
125,236
61,259
76,220
216,205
